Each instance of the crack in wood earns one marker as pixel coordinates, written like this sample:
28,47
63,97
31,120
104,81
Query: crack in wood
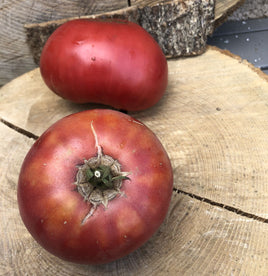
223,206
19,130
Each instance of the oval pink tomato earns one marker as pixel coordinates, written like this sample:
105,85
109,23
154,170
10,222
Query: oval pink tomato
95,186
116,63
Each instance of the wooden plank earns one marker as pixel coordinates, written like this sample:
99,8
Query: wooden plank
210,120
196,238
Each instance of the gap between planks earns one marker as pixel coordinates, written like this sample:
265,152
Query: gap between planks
199,198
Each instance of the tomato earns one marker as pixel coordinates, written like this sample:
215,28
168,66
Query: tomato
95,186
116,63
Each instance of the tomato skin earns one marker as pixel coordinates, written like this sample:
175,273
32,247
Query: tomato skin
51,208
116,63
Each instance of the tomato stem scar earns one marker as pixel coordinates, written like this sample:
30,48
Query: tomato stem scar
99,179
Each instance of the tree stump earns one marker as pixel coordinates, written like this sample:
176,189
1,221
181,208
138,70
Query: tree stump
212,121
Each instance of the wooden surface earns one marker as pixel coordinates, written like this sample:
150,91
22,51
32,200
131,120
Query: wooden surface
15,55
213,124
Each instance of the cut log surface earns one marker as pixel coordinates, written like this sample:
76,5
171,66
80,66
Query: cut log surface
195,20
212,121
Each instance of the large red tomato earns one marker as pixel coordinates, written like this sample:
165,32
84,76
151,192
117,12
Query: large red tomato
95,186
115,63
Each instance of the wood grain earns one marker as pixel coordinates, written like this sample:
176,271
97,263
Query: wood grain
218,145
213,123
